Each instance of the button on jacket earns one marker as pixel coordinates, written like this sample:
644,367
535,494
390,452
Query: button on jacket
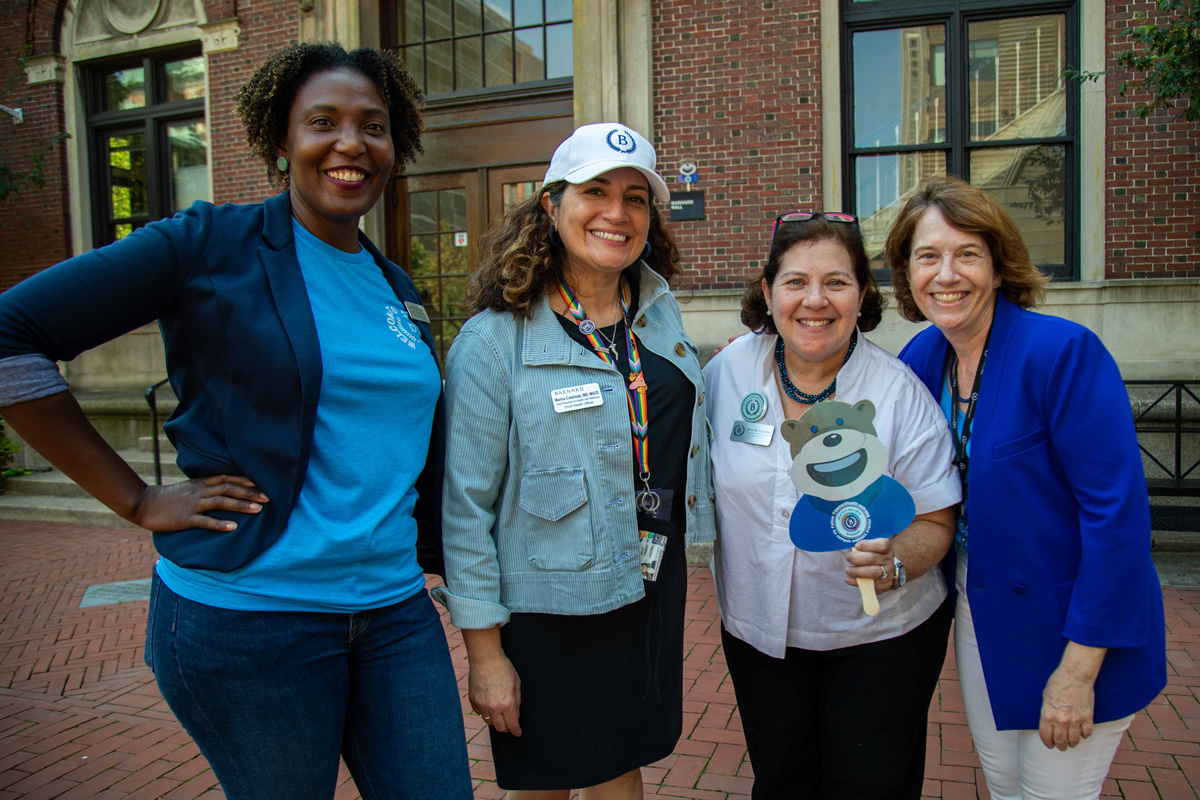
538,508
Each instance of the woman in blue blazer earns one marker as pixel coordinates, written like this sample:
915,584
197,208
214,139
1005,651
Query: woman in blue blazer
289,624
1059,622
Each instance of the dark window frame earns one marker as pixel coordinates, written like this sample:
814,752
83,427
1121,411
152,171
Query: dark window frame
152,120
389,19
956,16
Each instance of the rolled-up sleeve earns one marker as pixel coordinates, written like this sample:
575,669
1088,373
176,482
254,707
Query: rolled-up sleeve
85,301
478,420
28,377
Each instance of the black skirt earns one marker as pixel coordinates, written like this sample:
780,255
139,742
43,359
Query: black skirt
601,695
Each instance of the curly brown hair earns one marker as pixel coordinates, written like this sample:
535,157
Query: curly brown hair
265,101
817,229
518,263
973,210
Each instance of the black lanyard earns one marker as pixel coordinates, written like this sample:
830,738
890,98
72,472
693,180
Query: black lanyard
962,458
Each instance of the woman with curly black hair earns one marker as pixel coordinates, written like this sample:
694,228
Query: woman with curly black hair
289,623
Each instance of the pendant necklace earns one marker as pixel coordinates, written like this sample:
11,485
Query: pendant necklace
648,500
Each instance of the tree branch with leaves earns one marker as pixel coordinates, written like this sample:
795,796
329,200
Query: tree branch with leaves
1165,60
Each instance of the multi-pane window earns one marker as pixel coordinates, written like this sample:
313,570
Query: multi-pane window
461,45
148,141
975,89
437,246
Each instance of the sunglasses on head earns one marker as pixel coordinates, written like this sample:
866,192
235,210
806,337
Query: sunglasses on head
805,216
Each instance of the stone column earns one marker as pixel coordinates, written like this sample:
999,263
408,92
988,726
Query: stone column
613,63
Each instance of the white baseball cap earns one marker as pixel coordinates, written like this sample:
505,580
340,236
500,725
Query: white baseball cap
595,149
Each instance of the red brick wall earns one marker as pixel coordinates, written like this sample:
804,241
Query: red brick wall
1152,170
34,223
737,91
266,26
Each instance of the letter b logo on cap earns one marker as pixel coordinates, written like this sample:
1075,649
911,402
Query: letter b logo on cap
621,140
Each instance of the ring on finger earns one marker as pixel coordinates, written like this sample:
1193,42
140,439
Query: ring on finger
883,572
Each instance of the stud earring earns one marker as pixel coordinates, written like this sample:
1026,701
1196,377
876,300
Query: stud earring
768,312
281,164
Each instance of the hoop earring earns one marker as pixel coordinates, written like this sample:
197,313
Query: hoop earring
281,164
646,251
554,237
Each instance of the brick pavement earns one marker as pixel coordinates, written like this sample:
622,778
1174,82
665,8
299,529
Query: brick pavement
80,717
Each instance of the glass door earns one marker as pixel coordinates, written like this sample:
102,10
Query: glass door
441,220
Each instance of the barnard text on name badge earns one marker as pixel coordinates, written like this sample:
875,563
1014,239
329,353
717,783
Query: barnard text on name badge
575,397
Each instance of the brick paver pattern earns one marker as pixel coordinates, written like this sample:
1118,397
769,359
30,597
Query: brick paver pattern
81,718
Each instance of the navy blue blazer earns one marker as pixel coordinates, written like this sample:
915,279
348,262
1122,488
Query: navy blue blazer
1059,517
241,352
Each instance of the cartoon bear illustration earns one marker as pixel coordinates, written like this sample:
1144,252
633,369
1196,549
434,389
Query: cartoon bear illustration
839,465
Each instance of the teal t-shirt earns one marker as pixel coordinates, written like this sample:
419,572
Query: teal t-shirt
350,542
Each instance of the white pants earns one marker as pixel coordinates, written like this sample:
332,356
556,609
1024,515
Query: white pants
1016,763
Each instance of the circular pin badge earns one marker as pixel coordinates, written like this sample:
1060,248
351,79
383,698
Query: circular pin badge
754,406
850,521
586,327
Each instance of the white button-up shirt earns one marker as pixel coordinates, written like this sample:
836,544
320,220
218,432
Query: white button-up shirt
771,594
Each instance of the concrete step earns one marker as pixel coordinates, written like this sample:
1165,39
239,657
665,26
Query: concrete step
146,445
143,463
72,510
55,484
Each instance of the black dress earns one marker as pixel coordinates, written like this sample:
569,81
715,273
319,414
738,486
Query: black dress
602,695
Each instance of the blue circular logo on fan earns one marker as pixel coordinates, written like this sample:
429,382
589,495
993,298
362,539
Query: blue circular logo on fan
621,140
850,521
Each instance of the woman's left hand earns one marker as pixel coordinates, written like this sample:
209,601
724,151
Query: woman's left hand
1069,699
872,559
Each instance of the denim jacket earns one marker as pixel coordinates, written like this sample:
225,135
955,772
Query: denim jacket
538,506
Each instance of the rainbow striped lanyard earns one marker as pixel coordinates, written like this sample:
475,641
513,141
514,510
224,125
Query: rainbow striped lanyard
639,412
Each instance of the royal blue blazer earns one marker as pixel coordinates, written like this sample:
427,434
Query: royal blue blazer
1059,536
241,352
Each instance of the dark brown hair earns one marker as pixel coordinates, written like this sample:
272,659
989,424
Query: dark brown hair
975,211
265,101
518,263
790,234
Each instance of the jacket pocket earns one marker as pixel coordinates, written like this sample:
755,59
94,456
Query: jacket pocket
559,528
1020,444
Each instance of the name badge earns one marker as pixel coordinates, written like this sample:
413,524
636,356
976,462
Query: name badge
576,397
416,311
752,433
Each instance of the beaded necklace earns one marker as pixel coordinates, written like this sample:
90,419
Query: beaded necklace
796,394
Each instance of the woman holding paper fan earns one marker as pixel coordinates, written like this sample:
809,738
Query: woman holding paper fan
833,701
577,462
1059,631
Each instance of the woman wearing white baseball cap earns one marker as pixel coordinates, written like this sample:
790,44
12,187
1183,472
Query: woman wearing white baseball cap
577,470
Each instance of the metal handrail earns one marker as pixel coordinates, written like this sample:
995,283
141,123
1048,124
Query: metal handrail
151,395
1178,389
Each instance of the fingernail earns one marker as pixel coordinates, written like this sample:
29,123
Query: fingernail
263,498
230,526
255,507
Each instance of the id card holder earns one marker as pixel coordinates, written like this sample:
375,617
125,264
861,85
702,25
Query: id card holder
653,546
653,536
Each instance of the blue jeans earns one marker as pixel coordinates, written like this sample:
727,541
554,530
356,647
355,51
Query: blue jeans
273,698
